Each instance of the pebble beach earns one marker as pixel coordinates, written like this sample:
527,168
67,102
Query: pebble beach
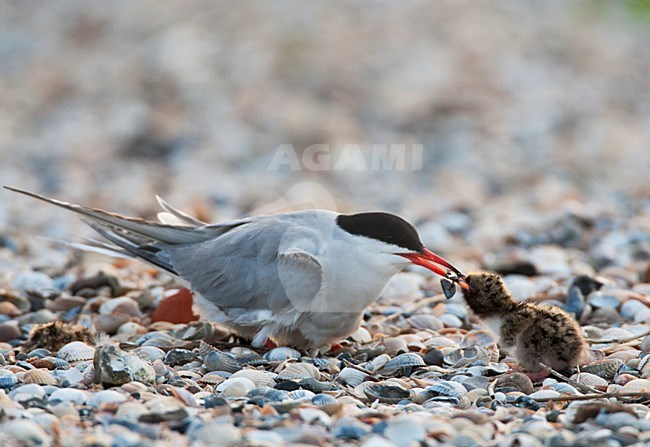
534,131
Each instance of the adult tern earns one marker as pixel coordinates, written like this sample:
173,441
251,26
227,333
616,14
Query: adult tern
301,279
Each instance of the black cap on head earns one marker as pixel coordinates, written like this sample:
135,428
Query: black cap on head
384,227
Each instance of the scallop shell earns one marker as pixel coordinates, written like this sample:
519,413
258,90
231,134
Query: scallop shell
636,386
235,387
205,349
387,392
259,378
564,388
251,359
326,403
40,376
462,357
606,368
76,351
149,353
402,361
517,380
447,388
600,299
7,379
425,321
267,394
477,338
299,371
615,332
213,378
281,353
544,394
352,377
590,380
378,362
301,394
221,361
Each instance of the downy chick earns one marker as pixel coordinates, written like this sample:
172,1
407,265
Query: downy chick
535,333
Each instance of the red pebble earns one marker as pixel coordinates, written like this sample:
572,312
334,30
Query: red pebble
175,308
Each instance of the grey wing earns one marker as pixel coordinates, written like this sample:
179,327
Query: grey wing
244,271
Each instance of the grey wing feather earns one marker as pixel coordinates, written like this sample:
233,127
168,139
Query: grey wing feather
140,238
244,270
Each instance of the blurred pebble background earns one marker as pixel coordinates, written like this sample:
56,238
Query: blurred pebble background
522,109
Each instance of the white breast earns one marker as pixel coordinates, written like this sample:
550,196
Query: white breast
494,325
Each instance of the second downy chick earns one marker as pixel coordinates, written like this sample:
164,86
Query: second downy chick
535,333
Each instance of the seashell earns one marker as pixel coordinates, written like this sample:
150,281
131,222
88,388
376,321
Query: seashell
448,287
544,394
600,300
477,338
387,392
266,394
450,320
645,343
198,330
575,302
155,338
631,308
462,357
315,385
221,361
110,323
300,394
213,378
352,377
425,321
517,380
378,362
259,378
615,332
413,341
40,376
251,359
326,403
622,379
281,353
590,380
440,342
395,345
564,388
106,397
625,356
7,379
606,368
149,353
121,305
76,351
235,387
636,386
349,428
131,328
361,336
447,388
405,430
24,432
299,371
402,362
79,397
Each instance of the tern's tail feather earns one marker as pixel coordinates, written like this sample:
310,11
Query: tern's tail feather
137,237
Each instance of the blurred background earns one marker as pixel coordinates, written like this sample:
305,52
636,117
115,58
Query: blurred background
525,111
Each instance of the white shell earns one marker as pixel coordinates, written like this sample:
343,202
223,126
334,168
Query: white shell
259,378
636,386
76,351
235,387
590,380
299,371
352,377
